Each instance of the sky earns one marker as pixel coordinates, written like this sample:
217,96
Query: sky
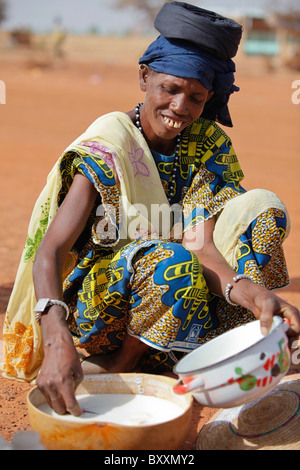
81,16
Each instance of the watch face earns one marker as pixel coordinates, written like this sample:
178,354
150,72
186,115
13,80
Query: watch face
41,305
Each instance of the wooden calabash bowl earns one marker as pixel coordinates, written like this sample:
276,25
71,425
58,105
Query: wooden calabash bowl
57,433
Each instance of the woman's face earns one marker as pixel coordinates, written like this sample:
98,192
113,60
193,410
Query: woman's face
171,104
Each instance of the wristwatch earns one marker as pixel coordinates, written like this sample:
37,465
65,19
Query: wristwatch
43,304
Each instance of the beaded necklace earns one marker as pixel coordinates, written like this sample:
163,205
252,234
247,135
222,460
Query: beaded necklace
171,188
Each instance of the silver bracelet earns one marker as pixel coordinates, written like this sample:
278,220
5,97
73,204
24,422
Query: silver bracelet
43,304
229,286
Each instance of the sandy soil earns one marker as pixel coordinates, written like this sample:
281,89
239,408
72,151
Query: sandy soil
50,102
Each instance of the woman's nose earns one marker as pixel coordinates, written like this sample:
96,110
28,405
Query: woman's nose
179,105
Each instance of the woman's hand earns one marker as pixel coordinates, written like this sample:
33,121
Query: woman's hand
264,304
267,304
257,299
61,370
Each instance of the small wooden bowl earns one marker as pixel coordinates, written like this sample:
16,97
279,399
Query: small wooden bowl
59,434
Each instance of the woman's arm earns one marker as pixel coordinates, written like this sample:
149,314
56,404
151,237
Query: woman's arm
256,298
61,370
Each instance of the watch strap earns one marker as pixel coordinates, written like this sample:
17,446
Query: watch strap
43,304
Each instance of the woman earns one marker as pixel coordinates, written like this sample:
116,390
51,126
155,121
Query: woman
137,293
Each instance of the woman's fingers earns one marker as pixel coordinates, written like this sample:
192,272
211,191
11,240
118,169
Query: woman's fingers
266,320
63,401
276,306
60,395
68,394
292,316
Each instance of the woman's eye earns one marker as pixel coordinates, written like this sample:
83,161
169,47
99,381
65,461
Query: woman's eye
197,100
168,90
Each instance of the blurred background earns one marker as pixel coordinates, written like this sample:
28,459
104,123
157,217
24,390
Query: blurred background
271,27
65,62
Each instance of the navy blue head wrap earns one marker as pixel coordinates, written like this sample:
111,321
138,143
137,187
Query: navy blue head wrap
190,47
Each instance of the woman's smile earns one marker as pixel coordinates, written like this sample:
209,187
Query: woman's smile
172,122
171,104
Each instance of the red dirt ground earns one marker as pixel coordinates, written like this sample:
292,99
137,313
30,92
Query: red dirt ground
49,103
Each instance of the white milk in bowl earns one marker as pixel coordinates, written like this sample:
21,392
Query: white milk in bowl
122,409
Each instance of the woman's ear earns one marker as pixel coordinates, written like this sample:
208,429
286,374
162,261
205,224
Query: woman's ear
144,73
209,95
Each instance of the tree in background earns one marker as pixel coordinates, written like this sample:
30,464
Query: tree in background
284,17
149,7
283,6
3,6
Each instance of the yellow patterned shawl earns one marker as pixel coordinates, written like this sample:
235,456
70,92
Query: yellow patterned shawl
138,182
